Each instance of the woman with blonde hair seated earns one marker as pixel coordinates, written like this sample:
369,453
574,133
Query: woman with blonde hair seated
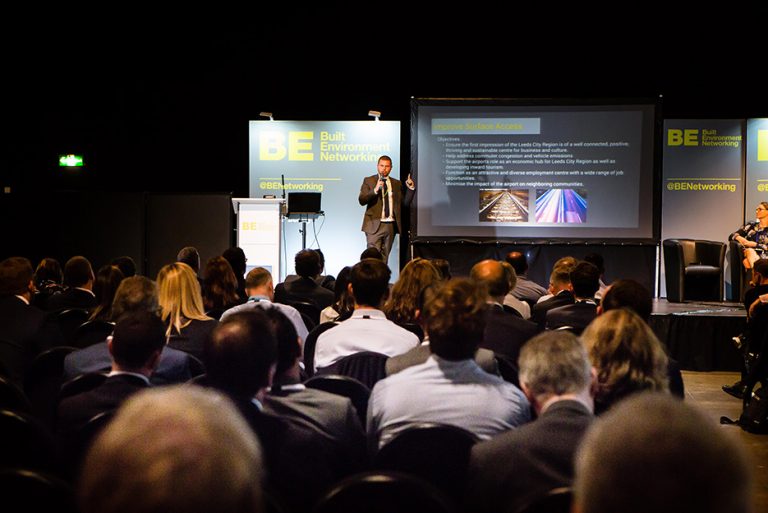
627,356
181,307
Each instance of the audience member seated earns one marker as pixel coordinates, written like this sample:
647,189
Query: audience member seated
505,332
596,259
157,455
560,293
135,348
653,453
368,329
258,286
135,294
343,304
510,301
371,253
48,281
126,265
753,236
517,466
240,359
327,281
627,355
417,275
107,280
585,280
190,256
219,287
449,388
78,280
633,295
307,263
443,266
236,258
24,329
525,289
181,307
331,415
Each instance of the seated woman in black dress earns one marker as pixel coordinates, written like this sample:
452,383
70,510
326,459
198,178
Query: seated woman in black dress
753,236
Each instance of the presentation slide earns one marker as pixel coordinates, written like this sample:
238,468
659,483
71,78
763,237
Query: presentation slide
534,171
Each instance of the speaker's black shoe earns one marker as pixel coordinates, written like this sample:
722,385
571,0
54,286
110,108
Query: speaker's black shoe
736,390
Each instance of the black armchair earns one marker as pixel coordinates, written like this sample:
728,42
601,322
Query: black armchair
694,269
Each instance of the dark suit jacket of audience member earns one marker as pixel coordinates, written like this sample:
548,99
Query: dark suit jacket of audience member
74,412
193,336
297,465
505,334
71,298
29,332
303,289
577,316
539,310
174,366
324,280
514,467
485,359
332,416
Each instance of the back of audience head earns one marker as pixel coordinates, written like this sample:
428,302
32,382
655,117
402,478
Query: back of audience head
343,301
288,343
257,278
320,257
138,336
137,293
369,281
174,449
190,256
417,275
455,319
180,297
48,271
77,272
307,263
371,253
236,258
559,279
126,264
219,283
655,453
443,266
518,262
16,276
108,279
555,363
630,294
241,353
596,259
627,355
585,280
492,275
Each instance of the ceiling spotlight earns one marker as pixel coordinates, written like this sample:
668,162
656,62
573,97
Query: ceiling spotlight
374,114
266,115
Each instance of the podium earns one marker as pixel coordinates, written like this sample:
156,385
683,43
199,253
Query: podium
259,232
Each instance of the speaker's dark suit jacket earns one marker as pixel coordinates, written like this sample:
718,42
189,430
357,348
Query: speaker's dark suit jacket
374,204
505,333
516,466
539,310
577,316
25,331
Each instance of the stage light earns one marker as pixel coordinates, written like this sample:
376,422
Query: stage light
266,115
374,114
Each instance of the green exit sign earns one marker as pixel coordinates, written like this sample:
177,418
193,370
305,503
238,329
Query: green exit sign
70,161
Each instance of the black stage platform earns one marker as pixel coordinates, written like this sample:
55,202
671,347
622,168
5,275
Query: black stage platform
698,334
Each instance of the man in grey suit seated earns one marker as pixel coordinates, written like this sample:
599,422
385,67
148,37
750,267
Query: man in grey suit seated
515,467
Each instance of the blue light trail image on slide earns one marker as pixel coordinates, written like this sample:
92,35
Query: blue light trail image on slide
561,206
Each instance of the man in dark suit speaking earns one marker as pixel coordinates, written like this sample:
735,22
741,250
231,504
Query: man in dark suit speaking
382,197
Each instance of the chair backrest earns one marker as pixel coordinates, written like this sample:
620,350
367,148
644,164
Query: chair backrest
80,384
437,453
43,381
309,309
557,500
196,366
25,490
13,398
309,346
383,492
367,367
679,254
414,328
26,443
69,320
92,332
357,392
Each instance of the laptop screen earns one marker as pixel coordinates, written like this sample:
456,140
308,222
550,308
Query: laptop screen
304,202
